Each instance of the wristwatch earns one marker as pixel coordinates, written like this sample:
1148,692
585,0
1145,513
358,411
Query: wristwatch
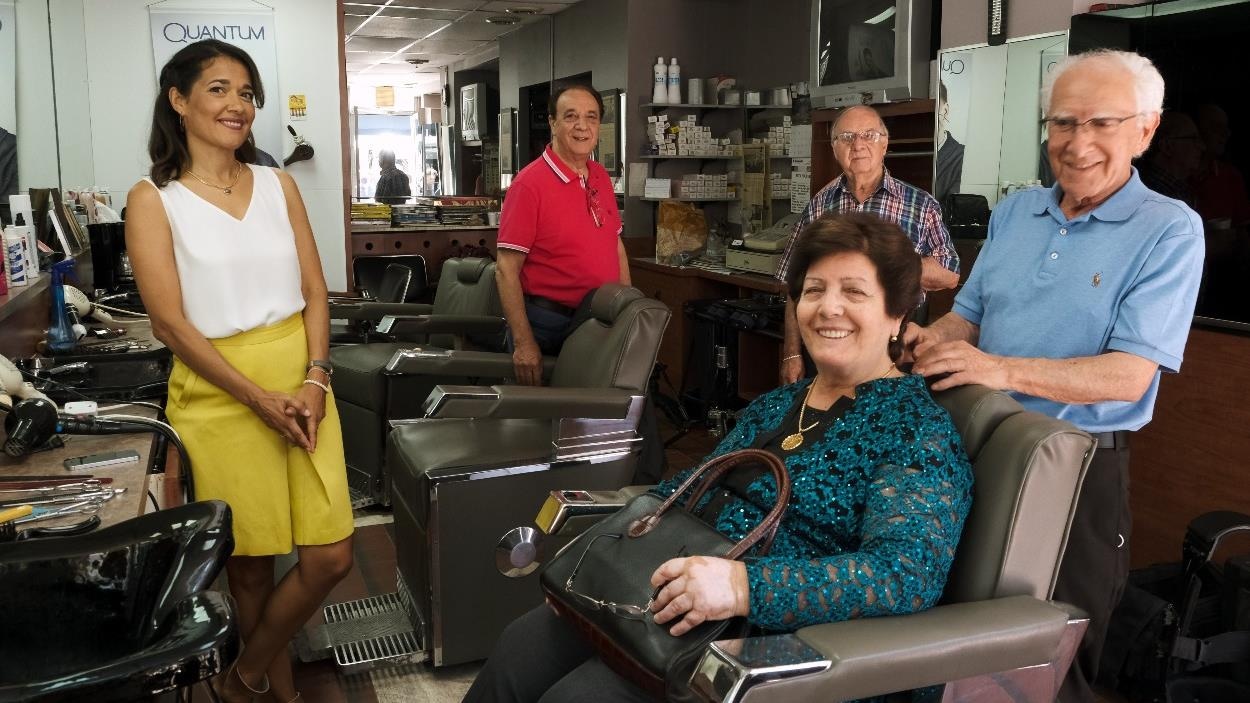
322,364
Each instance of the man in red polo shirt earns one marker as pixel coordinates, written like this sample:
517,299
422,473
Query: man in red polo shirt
559,233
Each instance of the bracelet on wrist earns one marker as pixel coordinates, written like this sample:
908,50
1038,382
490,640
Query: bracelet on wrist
322,364
325,373
323,386
792,356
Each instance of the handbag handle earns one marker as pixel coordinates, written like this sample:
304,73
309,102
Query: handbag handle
711,472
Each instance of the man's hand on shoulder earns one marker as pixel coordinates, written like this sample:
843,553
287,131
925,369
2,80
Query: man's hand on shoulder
959,364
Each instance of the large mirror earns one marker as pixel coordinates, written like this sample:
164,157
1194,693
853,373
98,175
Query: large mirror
989,137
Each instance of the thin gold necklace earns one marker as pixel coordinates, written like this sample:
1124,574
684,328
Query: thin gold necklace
795,440
238,169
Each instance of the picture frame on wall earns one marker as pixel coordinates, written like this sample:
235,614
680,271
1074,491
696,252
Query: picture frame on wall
507,141
608,153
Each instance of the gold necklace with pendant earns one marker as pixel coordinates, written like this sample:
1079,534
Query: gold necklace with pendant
792,442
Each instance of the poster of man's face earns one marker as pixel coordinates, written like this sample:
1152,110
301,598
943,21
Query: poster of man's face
8,100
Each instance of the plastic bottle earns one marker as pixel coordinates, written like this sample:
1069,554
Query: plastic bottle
15,257
31,247
659,91
4,278
674,82
61,337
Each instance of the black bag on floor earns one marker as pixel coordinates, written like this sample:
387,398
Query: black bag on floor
1181,633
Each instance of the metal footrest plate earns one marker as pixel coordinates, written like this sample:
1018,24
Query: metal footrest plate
365,632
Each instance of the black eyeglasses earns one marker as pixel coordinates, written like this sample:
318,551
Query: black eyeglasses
1099,125
621,610
592,202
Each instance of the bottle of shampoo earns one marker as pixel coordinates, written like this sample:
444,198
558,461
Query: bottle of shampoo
31,247
659,90
15,257
61,337
674,82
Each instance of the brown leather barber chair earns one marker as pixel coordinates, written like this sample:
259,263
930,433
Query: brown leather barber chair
472,470
466,314
996,634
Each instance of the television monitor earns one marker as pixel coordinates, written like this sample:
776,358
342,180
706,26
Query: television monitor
1197,45
869,51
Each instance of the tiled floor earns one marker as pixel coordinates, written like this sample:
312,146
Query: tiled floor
374,574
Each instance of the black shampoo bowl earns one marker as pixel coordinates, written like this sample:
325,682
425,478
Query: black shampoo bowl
120,614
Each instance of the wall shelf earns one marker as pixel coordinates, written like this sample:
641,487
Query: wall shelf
657,157
691,200
692,106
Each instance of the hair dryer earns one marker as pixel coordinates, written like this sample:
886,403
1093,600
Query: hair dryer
31,424
303,150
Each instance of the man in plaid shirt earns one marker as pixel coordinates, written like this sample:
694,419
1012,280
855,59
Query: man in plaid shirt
859,139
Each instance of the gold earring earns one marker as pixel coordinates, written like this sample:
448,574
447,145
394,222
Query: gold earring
182,123
894,338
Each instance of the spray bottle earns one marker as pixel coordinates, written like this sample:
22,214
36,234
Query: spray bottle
15,257
659,90
31,246
674,82
61,337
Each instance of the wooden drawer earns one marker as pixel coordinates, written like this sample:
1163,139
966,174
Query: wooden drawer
367,244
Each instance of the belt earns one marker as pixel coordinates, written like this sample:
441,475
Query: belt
549,304
1112,440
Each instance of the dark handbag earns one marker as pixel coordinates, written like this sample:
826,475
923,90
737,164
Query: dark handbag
601,581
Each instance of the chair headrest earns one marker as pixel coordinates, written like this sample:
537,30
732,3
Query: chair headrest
610,301
469,270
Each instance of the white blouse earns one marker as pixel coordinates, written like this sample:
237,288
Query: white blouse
236,275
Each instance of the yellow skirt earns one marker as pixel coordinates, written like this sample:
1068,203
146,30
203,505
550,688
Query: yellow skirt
279,494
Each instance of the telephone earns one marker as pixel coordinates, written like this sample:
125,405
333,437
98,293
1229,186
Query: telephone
774,239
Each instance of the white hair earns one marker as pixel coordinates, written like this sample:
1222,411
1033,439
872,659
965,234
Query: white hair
1147,81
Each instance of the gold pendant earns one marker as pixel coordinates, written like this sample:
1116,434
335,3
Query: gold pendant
792,441
227,191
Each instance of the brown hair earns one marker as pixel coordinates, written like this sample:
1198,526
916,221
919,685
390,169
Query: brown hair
167,144
890,251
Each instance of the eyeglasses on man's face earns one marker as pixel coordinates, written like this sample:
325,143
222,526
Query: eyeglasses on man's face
868,136
1097,125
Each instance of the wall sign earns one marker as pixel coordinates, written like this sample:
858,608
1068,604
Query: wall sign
251,29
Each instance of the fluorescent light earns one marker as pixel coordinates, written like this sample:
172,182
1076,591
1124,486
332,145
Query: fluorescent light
881,17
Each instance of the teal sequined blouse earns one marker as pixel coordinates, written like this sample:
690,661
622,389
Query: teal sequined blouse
878,503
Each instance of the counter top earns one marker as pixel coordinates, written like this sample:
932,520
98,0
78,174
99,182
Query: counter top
368,229
752,281
133,476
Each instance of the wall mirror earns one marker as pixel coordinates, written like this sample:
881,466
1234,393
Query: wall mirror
989,136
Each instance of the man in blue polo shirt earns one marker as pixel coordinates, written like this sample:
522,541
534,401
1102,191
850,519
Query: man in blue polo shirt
1081,297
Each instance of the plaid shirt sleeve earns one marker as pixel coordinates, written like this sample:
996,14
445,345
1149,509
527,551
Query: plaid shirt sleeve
935,239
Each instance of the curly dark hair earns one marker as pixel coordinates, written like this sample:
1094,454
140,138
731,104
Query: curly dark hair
884,243
167,144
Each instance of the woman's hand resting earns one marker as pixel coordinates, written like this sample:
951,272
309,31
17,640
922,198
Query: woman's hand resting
282,412
697,589
313,399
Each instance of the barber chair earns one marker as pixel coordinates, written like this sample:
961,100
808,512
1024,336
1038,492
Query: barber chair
472,469
360,314
121,614
466,313
995,636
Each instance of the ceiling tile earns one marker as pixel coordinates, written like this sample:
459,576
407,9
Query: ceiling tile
363,42
400,28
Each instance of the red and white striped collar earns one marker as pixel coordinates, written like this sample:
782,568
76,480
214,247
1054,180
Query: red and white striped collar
563,172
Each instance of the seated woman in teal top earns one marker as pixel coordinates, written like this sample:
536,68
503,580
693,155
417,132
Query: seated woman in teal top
881,482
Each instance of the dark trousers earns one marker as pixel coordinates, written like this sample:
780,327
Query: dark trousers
540,657
1095,564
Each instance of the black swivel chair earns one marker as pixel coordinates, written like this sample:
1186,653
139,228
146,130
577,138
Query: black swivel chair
369,396
359,314
121,614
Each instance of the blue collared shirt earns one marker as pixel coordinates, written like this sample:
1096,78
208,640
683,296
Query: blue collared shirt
1123,277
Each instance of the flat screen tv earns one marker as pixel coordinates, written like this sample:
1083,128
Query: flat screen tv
869,51
1197,46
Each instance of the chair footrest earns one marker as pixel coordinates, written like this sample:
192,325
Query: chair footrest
367,632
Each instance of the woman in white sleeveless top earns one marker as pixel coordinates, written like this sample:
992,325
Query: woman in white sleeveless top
229,272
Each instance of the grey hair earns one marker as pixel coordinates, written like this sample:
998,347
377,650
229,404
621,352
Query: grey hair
833,128
1147,81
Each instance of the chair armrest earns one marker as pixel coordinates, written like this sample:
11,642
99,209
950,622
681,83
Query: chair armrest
368,309
431,361
528,402
877,656
570,513
403,326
